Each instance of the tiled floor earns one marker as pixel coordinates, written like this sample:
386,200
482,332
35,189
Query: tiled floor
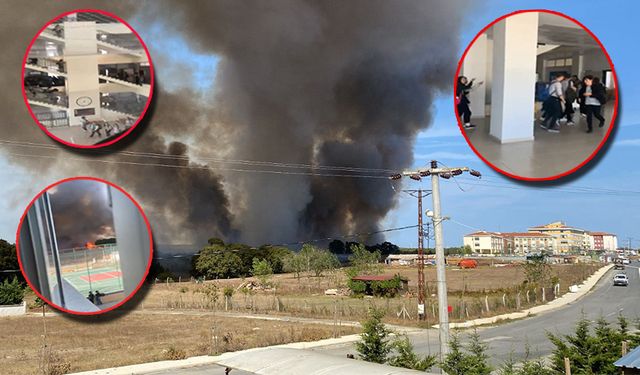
548,155
75,135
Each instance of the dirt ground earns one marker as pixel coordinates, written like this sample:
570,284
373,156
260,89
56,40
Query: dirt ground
94,342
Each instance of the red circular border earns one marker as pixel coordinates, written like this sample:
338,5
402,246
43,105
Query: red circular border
615,108
146,221
144,111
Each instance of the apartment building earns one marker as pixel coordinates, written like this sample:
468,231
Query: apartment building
567,239
485,243
602,241
555,238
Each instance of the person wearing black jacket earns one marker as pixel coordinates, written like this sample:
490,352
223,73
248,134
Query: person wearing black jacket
463,88
592,97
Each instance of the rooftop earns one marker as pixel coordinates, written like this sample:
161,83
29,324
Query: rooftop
630,360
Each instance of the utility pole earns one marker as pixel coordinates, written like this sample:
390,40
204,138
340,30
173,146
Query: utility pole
421,282
436,173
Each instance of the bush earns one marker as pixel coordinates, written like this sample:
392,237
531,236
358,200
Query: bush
473,361
262,270
406,357
228,291
357,287
11,292
386,288
173,354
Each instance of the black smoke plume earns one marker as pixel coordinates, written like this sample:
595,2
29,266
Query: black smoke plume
346,83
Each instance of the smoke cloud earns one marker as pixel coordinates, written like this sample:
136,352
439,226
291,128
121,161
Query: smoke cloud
345,83
81,213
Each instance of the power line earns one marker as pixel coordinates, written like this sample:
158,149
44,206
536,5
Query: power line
204,159
281,168
191,166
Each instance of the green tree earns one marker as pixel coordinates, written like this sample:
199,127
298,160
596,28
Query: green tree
592,350
276,256
404,356
323,261
295,263
11,292
374,345
215,241
364,261
8,260
262,270
536,270
215,262
466,250
472,361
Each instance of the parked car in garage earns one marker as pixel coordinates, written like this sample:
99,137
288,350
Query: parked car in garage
620,279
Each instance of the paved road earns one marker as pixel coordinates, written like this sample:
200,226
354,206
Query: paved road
604,300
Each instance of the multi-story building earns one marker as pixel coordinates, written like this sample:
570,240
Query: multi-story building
567,239
485,243
602,241
555,238
522,243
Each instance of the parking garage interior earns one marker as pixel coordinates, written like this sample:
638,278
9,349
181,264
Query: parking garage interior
510,58
87,78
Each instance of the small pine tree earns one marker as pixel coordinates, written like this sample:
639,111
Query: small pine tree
406,357
473,361
11,292
374,345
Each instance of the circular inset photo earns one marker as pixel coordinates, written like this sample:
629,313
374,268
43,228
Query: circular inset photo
84,246
87,78
535,95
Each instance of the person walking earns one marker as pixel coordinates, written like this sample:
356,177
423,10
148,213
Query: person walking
593,96
463,88
553,105
570,94
95,129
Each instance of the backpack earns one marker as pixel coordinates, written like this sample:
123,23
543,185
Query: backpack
542,91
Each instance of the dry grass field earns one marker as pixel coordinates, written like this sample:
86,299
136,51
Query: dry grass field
177,320
85,344
305,297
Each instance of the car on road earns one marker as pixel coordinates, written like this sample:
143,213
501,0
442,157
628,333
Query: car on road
620,279
625,261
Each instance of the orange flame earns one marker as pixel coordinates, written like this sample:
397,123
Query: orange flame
90,245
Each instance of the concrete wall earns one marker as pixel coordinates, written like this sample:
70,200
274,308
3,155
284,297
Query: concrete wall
13,310
595,62
475,66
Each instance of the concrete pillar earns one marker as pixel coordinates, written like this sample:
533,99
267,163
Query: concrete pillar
81,58
475,66
132,239
514,76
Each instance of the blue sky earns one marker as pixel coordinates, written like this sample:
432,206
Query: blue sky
496,203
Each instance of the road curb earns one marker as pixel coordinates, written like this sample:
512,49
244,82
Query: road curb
564,300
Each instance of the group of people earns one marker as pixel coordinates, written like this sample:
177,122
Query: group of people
96,127
95,298
563,92
557,99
